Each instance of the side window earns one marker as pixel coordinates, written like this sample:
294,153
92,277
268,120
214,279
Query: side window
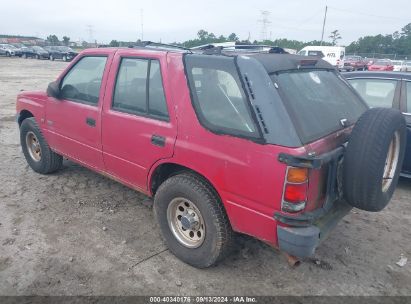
157,105
130,91
134,77
408,96
219,99
375,92
82,83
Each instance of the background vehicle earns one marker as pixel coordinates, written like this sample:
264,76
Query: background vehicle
381,65
28,52
354,63
332,54
250,143
9,50
61,52
40,53
399,66
384,89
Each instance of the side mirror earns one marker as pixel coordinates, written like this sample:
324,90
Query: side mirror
53,89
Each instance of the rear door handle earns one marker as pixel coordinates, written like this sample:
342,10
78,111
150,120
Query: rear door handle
158,140
91,121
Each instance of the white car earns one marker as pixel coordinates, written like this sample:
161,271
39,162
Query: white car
399,66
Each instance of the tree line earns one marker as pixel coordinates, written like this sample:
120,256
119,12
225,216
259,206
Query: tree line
398,42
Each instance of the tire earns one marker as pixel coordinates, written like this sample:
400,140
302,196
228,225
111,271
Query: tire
38,57
48,161
52,57
24,56
378,138
217,237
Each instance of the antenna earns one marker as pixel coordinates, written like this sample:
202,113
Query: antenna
325,18
265,22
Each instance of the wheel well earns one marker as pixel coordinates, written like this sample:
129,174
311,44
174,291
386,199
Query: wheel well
23,115
164,171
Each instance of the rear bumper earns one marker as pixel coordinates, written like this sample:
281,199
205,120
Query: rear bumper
302,241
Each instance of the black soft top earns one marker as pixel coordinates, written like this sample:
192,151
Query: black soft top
282,62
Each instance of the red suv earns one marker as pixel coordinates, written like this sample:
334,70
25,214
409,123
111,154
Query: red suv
225,142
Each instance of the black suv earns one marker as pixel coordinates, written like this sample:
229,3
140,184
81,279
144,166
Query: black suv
61,52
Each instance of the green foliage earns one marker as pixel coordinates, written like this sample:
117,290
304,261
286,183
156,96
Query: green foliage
335,36
53,40
66,40
114,43
396,43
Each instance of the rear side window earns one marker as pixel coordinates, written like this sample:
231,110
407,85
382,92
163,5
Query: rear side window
139,88
376,92
82,83
218,96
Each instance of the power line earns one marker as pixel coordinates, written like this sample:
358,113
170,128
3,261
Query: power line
365,14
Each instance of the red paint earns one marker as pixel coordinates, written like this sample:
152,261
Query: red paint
247,175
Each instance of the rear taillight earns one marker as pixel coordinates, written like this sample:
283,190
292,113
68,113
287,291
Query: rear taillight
295,190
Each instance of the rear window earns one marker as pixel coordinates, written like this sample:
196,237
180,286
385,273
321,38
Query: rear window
318,101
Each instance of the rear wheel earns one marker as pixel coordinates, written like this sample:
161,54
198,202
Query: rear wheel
373,159
192,220
37,152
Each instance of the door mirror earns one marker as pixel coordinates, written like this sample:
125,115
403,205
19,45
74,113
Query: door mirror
53,89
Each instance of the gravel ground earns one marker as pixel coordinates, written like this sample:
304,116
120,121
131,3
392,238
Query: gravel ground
78,233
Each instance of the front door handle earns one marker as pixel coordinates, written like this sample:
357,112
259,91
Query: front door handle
158,140
91,121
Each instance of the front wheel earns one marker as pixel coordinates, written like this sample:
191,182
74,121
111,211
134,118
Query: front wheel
37,152
192,220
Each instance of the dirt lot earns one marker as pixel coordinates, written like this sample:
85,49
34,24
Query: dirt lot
52,240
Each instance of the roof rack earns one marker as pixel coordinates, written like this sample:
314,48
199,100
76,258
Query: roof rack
249,48
159,45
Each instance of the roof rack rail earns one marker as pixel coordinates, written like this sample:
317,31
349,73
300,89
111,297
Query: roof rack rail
160,45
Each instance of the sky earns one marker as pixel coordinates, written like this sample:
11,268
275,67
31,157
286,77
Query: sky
180,20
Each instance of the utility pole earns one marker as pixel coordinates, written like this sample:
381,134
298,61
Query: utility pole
142,24
325,18
264,24
90,33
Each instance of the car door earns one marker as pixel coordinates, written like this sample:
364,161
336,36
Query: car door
74,120
138,124
406,109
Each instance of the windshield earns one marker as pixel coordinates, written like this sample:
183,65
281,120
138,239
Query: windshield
319,102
